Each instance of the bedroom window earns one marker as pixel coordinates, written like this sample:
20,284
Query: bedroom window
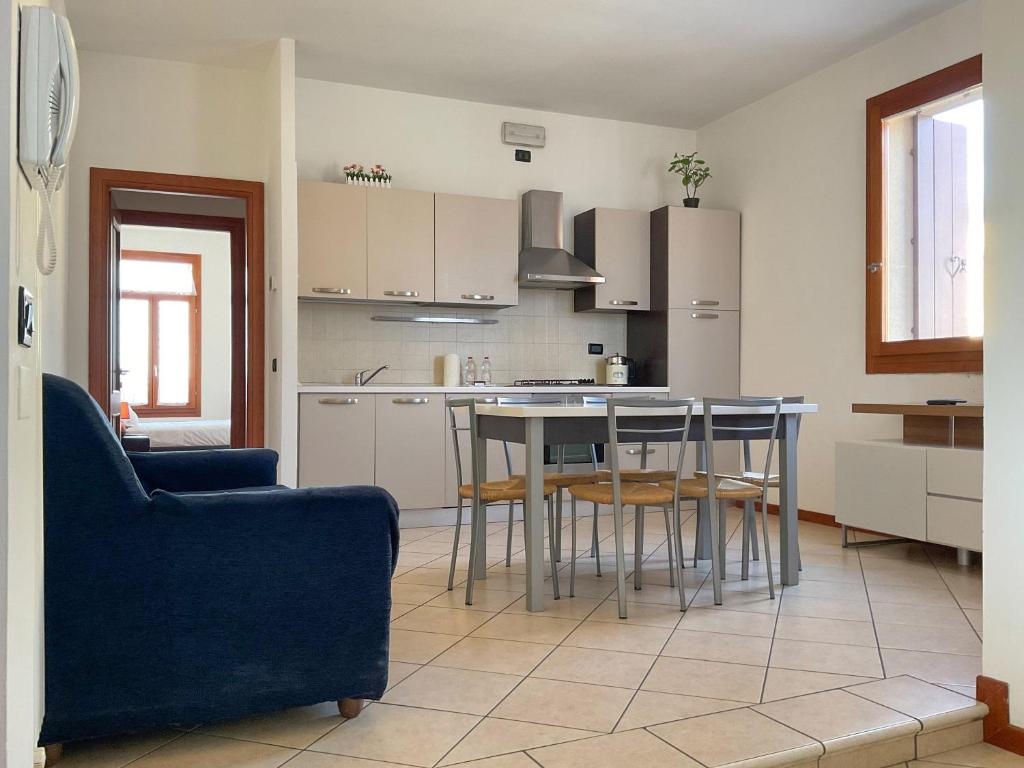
158,334
925,224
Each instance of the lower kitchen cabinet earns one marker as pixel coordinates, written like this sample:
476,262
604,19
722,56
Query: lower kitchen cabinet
703,353
410,449
336,440
631,455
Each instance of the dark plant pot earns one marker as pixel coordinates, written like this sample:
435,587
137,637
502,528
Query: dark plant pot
691,202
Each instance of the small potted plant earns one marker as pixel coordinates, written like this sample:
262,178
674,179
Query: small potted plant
379,176
694,172
354,173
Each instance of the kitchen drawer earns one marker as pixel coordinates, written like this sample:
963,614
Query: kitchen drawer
630,455
954,522
410,448
881,486
336,440
955,472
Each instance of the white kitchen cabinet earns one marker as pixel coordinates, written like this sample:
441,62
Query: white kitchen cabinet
617,243
631,454
399,245
703,353
332,240
476,251
410,451
336,440
703,258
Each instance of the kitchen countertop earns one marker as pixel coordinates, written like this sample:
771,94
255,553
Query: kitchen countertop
402,389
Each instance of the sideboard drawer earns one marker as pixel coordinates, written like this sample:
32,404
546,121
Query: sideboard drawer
955,472
954,522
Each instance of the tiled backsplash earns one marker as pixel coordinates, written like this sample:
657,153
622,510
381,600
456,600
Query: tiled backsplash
539,339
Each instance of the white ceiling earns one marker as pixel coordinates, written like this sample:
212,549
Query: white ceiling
679,63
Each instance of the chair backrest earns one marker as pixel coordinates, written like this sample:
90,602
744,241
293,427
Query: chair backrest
85,470
722,406
673,426
786,399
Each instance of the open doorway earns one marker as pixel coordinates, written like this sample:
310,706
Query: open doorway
176,307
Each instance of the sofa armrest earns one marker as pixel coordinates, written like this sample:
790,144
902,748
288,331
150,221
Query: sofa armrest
198,471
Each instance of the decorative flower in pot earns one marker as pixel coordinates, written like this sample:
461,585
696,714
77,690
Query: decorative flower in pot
379,176
354,173
694,173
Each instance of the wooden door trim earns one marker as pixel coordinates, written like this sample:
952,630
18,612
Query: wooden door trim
251,343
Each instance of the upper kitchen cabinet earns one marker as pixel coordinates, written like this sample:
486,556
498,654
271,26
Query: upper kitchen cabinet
332,240
698,251
617,244
476,251
399,245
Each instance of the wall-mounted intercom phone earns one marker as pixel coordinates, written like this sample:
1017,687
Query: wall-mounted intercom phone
48,108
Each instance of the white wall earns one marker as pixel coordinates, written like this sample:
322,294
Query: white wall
446,145
1004,363
214,249
793,164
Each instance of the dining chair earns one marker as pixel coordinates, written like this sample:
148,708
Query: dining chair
719,491
672,426
510,490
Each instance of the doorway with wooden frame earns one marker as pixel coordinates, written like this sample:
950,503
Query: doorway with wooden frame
165,286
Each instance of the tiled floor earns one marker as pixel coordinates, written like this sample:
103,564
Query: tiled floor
492,685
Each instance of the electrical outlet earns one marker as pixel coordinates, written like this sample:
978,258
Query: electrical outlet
595,349
523,155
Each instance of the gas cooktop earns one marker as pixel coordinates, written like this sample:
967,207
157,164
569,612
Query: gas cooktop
554,383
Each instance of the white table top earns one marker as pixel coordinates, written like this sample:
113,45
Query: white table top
373,388
554,410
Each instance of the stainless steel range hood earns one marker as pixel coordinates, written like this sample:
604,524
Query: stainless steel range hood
543,260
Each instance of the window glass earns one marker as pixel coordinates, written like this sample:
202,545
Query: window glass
134,342
157,276
174,353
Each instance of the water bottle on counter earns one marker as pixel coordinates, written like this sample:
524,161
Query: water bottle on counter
485,371
469,372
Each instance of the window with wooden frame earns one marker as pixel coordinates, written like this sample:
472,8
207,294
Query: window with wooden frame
925,224
159,334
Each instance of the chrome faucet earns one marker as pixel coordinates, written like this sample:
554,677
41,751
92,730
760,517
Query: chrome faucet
362,381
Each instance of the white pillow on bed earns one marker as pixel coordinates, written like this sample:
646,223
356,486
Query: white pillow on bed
133,417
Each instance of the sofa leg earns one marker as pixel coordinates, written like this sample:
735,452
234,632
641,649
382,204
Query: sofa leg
350,708
54,752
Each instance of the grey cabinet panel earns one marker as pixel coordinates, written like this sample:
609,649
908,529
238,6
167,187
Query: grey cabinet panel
476,251
336,440
703,258
703,353
410,434
400,245
332,240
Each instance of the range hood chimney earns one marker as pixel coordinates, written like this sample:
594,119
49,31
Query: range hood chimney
543,260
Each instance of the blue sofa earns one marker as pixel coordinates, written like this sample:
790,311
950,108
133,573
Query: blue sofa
186,587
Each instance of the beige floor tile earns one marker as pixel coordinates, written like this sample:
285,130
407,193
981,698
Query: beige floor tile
691,677
431,577
499,737
416,594
848,573
571,705
515,760
784,683
825,608
503,579
199,751
418,647
728,622
833,590
712,646
321,760
115,752
919,578
566,608
920,615
645,614
911,596
398,735
735,736
589,665
652,708
826,657
878,754
749,602
296,728
619,749
527,627
933,667
485,600
826,630
619,637
442,620
934,706
907,637
510,657
587,585
400,609
398,671
940,740
405,557
970,691
978,756
840,720
974,616
453,690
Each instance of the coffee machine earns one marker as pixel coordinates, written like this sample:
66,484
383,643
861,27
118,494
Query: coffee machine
619,370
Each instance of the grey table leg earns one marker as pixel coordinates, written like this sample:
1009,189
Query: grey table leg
704,529
788,527
480,513
533,514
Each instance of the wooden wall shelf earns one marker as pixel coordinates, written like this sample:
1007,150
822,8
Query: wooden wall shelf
960,426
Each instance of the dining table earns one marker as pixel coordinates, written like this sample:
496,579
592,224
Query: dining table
585,420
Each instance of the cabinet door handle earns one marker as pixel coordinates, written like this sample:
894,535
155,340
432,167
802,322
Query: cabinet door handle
704,315
408,294
704,303
335,291
478,296
623,303
338,400
638,451
411,400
